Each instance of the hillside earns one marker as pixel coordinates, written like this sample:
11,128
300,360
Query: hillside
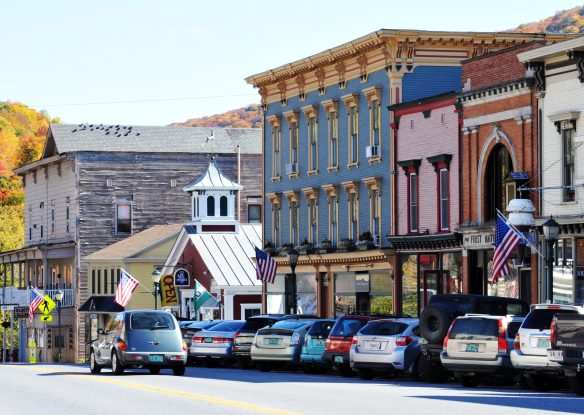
248,117
565,21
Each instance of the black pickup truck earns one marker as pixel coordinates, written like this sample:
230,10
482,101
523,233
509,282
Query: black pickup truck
567,348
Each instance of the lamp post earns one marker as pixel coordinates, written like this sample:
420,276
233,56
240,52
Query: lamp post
59,298
551,229
156,275
293,260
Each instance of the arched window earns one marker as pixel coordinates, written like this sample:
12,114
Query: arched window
210,206
499,166
223,206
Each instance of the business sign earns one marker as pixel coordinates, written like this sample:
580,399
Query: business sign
7,307
478,240
20,312
182,278
168,291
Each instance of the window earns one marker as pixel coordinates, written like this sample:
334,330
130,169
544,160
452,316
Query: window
52,222
444,199
353,216
42,231
276,221
333,218
353,135
99,281
568,193
254,213
124,214
93,281
210,206
223,206
274,122
375,124
30,234
313,221
294,143
374,186
294,223
105,281
498,167
413,202
331,107
313,144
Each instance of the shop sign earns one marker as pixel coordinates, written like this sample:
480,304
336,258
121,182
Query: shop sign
478,240
168,291
181,278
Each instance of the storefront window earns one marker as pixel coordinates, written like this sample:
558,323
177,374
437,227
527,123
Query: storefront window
579,294
563,271
409,270
381,292
345,295
275,295
364,292
451,262
306,293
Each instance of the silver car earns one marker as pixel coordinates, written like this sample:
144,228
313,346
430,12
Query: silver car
531,344
280,344
386,346
215,343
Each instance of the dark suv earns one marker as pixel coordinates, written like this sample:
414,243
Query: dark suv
244,337
338,343
441,311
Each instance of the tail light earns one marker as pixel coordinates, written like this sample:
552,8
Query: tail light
305,341
517,345
184,346
502,341
445,343
222,340
122,345
553,333
295,340
403,340
197,340
354,340
327,344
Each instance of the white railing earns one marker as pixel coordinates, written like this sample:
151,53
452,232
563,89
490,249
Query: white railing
68,296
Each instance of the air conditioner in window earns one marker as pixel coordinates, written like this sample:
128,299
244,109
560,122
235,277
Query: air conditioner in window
375,238
292,168
372,151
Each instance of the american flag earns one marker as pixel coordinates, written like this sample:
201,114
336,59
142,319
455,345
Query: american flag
506,239
36,299
266,266
126,287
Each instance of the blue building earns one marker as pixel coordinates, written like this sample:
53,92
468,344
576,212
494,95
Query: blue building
329,162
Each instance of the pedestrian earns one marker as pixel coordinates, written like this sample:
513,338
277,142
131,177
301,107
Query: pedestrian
15,355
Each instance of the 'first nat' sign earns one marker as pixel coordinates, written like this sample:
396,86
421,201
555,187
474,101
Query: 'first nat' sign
478,240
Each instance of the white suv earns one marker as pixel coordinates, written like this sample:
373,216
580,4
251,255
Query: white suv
531,343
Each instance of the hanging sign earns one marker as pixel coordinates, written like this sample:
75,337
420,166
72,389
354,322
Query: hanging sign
168,291
182,278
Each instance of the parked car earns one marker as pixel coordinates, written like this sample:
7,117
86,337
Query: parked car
139,339
280,344
216,343
386,347
314,342
190,328
531,343
338,343
244,337
478,347
567,348
442,309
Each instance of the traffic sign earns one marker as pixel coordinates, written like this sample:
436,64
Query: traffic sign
46,318
47,305
20,312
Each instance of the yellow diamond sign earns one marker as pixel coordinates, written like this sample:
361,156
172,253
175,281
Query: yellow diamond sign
46,318
47,305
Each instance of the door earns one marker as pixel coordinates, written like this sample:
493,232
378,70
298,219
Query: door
433,282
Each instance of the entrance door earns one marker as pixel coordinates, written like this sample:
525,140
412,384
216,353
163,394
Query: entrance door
433,282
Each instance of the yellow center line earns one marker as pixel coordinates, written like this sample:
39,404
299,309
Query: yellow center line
185,395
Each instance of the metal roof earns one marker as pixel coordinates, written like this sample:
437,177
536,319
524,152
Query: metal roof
228,256
212,179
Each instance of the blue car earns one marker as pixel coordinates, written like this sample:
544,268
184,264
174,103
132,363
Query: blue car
314,342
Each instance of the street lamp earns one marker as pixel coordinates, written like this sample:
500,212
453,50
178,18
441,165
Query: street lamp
59,298
551,229
293,260
156,275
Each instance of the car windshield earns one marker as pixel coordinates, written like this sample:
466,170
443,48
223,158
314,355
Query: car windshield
227,326
383,328
513,328
151,321
321,328
541,318
290,324
474,327
202,324
347,327
254,324
496,308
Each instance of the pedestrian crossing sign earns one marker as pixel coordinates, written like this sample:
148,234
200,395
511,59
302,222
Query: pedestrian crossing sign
47,305
46,318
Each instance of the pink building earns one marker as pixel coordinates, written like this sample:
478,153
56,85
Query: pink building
427,203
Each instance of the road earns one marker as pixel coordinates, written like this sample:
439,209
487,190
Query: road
71,389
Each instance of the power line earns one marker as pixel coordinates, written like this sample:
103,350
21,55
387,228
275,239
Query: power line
137,101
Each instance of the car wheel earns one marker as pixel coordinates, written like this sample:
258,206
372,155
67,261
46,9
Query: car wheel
179,370
432,373
468,381
265,367
577,384
539,383
154,370
365,374
415,371
523,382
434,323
93,366
117,367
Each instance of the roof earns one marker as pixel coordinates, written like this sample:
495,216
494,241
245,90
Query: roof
228,256
213,178
135,243
67,138
550,51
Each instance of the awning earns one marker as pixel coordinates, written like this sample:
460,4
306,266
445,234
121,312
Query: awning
101,304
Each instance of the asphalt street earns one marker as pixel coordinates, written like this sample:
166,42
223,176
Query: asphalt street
71,389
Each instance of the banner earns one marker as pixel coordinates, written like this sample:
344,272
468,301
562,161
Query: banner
203,298
168,291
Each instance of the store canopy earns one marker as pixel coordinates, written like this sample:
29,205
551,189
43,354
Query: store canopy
101,304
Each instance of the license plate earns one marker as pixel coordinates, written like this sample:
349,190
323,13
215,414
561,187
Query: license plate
338,359
472,347
423,341
555,355
208,340
318,342
271,341
374,345
543,343
156,358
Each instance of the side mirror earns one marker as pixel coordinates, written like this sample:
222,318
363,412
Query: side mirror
100,331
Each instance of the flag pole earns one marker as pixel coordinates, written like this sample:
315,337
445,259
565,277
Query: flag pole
139,282
531,245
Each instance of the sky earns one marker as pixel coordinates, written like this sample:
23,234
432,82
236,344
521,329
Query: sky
142,62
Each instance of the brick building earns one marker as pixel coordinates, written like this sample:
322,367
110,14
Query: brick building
499,152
